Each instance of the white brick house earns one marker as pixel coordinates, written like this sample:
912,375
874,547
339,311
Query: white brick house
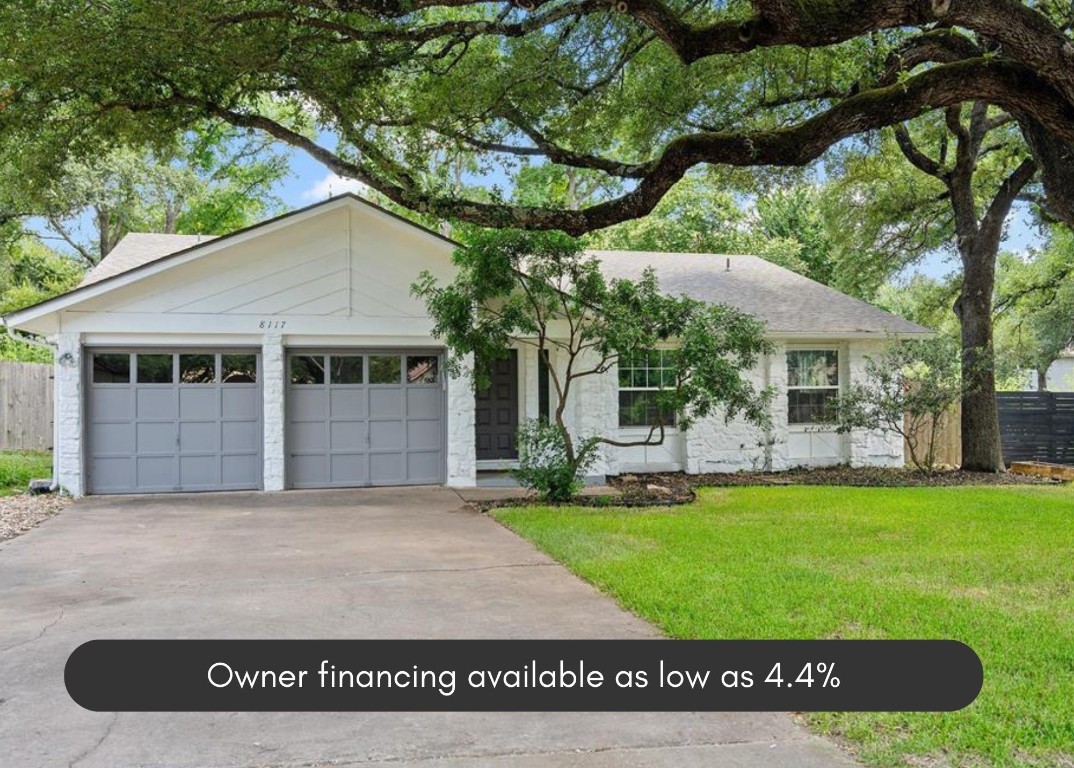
292,355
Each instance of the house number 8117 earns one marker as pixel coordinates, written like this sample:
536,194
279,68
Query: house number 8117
272,325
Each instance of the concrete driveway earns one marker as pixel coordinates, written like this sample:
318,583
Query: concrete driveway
385,563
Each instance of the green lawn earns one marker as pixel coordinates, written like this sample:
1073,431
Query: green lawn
17,468
992,567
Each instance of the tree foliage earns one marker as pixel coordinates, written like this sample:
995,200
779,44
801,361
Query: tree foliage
515,288
639,92
210,180
907,389
31,272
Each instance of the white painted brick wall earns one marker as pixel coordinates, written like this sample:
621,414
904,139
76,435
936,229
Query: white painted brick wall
461,448
69,388
716,445
871,448
273,388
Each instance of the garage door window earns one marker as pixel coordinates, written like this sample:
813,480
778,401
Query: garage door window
155,369
346,369
111,369
422,369
238,369
307,370
384,369
197,369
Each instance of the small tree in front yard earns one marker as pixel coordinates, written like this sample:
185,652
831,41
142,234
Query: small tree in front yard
908,389
540,289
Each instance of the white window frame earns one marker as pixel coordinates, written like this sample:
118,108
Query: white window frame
668,428
837,387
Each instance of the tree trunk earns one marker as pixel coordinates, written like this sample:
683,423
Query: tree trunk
981,449
1042,379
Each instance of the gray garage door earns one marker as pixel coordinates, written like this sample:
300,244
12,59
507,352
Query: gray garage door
173,421
359,418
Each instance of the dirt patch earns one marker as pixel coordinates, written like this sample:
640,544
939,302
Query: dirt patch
18,514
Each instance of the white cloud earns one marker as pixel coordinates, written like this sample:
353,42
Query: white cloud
333,184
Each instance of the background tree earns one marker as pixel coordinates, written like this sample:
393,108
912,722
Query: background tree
30,272
515,288
1035,310
210,180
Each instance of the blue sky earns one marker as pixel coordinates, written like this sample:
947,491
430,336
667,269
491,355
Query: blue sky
311,182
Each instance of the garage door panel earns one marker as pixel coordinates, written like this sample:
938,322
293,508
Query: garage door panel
199,472
158,436
156,473
307,404
386,403
112,474
347,435
423,467
198,402
349,469
240,471
241,436
423,403
381,428
385,435
152,403
386,468
154,438
348,404
199,437
116,438
309,471
112,404
422,435
239,403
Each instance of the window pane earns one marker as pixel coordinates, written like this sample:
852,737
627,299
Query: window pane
810,406
384,369
641,409
197,369
345,369
812,368
307,370
155,369
667,378
111,369
238,369
625,377
422,370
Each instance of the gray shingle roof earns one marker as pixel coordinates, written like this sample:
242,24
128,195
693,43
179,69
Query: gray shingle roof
140,248
785,300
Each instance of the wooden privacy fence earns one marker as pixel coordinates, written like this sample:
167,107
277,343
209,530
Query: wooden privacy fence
948,439
1037,426
25,406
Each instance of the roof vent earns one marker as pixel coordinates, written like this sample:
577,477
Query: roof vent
728,269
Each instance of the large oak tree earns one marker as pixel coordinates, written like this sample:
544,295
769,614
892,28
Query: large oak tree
637,91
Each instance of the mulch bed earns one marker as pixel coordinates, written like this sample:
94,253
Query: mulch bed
18,514
673,488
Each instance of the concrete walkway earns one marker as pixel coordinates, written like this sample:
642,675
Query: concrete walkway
386,563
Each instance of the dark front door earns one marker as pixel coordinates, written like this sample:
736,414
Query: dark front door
497,412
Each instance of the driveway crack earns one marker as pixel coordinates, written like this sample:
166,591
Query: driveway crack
104,736
38,636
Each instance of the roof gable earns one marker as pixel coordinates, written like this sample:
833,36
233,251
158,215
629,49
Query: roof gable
279,261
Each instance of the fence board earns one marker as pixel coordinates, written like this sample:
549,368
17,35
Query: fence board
1037,426
948,439
25,406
